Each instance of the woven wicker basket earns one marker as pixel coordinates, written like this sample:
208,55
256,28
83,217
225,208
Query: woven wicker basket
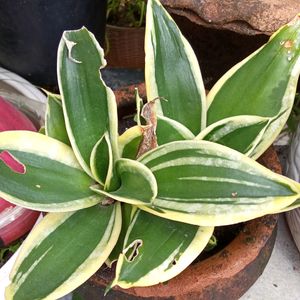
125,47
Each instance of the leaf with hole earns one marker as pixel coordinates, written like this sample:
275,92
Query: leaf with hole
61,186
128,211
155,250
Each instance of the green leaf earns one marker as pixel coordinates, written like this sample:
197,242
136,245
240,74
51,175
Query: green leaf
264,84
60,186
128,211
89,105
6,252
63,251
156,250
138,185
241,133
42,130
292,206
207,184
129,142
102,161
172,71
169,130
55,122
139,104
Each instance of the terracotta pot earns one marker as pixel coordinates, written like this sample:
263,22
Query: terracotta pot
125,47
241,16
227,274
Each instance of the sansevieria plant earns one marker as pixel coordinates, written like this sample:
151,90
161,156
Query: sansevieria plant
149,198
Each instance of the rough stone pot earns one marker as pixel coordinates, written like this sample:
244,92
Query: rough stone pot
227,274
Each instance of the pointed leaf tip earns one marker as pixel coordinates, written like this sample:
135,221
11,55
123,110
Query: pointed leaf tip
168,57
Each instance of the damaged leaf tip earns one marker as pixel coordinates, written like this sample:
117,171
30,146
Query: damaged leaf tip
70,45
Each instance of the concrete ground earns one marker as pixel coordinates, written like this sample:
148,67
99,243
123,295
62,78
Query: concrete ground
281,277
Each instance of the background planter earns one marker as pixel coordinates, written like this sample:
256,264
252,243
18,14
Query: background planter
30,32
125,47
227,274
23,95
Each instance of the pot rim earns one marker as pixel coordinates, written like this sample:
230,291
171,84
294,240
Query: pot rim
124,28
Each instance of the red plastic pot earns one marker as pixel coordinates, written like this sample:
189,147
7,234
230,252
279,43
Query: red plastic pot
14,221
13,119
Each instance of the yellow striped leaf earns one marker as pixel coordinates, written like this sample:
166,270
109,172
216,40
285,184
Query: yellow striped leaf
172,74
207,184
63,251
89,106
263,84
156,250
52,179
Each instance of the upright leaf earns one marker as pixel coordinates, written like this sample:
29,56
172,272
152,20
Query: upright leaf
156,249
89,105
172,71
63,251
55,122
60,186
264,84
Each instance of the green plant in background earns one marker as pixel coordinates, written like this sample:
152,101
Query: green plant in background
149,198
126,13
6,252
